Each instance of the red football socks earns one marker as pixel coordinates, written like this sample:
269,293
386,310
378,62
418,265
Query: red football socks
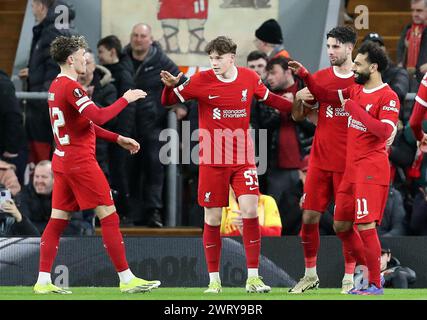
49,243
113,241
310,241
212,247
252,241
373,255
353,245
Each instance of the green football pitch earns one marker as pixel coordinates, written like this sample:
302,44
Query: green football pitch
104,293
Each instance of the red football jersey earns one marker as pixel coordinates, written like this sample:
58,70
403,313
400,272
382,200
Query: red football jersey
367,158
224,111
74,134
183,9
330,139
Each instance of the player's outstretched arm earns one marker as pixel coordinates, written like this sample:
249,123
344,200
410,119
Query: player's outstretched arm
128,144
320,93
102,115
168,96
278,102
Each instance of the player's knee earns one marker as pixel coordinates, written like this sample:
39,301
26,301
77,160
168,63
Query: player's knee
342,226
311,217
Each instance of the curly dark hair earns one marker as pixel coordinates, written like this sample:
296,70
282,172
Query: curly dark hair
62,47
375,54
221,45
344,34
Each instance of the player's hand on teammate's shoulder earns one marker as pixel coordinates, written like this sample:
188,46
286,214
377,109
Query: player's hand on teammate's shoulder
128,144
168,79
133,95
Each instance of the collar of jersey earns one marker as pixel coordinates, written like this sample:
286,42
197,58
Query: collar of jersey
228,80
342,76
374,89
65,75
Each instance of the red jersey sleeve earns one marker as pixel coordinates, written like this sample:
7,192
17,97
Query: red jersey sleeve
389,113
189,89
421,97
77,97
419,110
260,91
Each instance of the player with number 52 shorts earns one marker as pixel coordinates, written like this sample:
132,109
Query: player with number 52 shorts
224,94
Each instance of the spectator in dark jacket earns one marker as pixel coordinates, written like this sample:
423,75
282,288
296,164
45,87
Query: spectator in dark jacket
35,202
39,74
412,46
12,222
286,156
393,222
12,132
121,68
147,60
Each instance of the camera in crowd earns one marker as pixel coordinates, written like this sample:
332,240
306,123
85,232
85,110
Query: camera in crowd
4,196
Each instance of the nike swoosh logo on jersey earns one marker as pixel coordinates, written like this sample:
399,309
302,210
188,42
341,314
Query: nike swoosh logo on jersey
254,241
210,246
212,97
253,188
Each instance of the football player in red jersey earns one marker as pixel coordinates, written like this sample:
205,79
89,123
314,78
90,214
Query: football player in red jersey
374,110
419,113
327,156
224,94
79,182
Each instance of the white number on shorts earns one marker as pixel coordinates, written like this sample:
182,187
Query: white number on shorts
251,177
359,207
59,122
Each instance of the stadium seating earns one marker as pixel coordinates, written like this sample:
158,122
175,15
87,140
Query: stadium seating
385,17
11,15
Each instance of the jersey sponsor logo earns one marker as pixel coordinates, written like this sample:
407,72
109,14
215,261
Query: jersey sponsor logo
50,96
216,114
78,93
329,112
212,97
391,107
244,95
387,108
340,112
219,114
355,124
207,196
233,113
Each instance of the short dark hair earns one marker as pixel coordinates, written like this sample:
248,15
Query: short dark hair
46,3
344,34
222,45
111,42
62,47
281,61
255,55
375,54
